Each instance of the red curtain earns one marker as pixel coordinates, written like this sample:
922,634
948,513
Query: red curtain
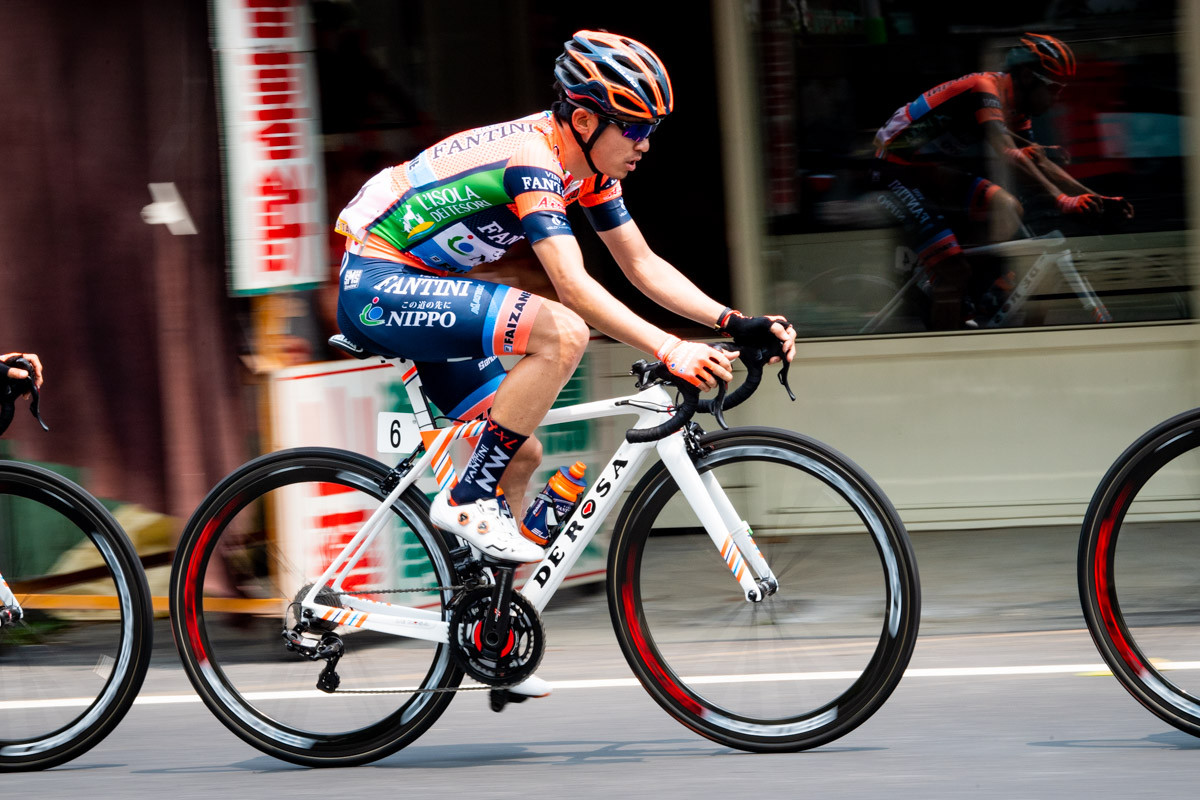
144,389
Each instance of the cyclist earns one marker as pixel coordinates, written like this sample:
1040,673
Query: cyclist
930,159
19,374
415,230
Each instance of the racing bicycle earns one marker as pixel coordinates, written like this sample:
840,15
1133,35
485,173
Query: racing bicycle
869,303
1139,558
710,583
75,613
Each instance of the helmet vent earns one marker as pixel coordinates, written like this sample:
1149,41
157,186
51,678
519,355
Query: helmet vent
626,62
610,74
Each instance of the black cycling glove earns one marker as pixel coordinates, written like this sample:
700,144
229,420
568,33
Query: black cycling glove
754,331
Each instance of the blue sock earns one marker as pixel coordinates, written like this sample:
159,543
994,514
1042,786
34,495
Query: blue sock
481,477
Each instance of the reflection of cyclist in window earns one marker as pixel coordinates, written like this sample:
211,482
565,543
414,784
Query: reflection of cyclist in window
414,231
931,154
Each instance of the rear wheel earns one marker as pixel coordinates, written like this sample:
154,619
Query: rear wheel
262,536
808,663
74,656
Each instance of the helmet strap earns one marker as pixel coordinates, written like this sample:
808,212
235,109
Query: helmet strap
585,146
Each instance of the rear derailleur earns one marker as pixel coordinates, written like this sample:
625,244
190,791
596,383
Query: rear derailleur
317,645
315,639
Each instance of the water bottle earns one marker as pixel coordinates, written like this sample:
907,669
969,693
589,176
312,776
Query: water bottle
554,504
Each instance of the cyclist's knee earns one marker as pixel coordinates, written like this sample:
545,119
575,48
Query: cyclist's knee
1008,204
560,333
1006,216
575,335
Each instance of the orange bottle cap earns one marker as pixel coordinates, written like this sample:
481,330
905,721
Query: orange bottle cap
577,469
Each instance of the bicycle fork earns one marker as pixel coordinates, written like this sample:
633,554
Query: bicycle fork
729,532
10,609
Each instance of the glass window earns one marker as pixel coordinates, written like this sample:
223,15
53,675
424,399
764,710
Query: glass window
898,142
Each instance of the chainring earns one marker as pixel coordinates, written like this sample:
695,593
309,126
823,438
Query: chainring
516,659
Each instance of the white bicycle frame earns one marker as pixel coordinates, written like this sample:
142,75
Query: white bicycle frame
731,535
1051,252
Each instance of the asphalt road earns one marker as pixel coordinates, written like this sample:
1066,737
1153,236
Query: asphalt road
1005,697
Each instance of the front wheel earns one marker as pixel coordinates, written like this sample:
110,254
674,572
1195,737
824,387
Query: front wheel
809,663
258,541
1139,558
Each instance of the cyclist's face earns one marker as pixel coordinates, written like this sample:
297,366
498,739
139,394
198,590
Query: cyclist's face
1041,93
612,153
615,155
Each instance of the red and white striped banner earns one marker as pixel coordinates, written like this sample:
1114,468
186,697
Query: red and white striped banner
273,169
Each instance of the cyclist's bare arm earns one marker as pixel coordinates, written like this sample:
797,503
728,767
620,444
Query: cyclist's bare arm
580,292
1002,142
664,284
1059,177
656,278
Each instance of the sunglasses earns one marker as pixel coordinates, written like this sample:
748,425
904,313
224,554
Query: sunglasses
634,131
1052,85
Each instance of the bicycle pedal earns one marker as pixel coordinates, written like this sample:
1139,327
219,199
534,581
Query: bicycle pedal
498,698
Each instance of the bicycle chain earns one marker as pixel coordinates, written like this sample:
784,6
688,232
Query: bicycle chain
360,593
440,690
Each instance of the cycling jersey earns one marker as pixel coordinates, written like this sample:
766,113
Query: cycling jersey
469,198
414,229
929,156
947,122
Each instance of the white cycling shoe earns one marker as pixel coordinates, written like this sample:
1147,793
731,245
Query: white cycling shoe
533,686
485,526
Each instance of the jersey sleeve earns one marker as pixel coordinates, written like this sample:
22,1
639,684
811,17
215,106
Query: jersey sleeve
603,204
535,183
986,94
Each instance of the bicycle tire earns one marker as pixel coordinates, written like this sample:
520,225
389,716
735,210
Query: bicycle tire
238,661
809,663
69,672
1137,567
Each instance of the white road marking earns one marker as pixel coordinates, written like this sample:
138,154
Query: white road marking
620,683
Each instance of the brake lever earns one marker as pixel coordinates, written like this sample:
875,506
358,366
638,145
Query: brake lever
783,371
719,405
766,353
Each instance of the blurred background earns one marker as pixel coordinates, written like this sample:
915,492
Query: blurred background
171,173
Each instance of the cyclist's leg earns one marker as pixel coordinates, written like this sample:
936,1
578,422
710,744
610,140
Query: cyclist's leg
557,340
995,208
914,192
464,390
554,344
396,307
994,215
